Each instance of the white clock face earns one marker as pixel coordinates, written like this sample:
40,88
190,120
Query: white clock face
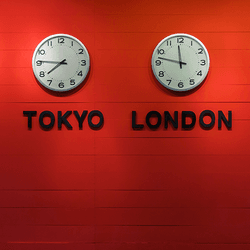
60,62
180,62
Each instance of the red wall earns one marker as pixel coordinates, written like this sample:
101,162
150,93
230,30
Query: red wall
117,188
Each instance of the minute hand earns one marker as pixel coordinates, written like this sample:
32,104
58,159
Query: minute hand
170,60
179,54
51,62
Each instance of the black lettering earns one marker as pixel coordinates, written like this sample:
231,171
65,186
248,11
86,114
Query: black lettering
186,114
222,117
100,123
154,114
81,118
169,118
134,125
52,120
30,114
211,115
63,119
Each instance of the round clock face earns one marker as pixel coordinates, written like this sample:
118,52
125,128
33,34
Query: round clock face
180,62
60,62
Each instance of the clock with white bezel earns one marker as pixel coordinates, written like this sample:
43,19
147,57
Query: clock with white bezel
60,62
180,62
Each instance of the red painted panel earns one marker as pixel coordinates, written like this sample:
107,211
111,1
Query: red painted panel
49,198
117,188
188,196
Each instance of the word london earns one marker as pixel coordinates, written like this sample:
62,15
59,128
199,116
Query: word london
185,115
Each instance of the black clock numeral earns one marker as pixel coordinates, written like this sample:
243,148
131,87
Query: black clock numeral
49,43
83,63
200,51
199,73
50,81
80,51
60,40
161,73
180,85
42,74
80,73
192,82
180,40
203,62
169,81
39,63
160,51
61,85
72,81
157,62
41,52
169,43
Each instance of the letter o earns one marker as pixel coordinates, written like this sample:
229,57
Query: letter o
211,115
91,115
149,115
52,119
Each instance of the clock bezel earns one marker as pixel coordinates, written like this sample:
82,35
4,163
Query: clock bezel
46,40
170,37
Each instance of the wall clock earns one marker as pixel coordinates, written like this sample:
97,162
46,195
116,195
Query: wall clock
180,62
60,62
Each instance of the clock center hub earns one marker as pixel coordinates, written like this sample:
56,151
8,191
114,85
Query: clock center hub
66,63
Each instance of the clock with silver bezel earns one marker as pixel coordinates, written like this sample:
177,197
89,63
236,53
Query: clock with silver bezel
180,62
60,62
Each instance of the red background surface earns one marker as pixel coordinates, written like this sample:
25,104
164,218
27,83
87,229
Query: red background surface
117,188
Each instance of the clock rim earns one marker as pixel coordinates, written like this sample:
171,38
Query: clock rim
176,35
44,41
